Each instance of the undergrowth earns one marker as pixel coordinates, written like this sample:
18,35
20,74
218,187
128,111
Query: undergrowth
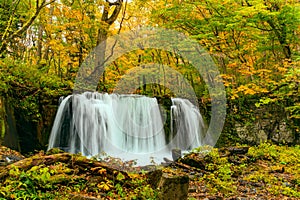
267,169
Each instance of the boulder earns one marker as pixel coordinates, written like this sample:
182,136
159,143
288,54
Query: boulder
171,187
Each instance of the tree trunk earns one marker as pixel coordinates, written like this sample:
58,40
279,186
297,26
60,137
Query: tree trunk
39,43
100,57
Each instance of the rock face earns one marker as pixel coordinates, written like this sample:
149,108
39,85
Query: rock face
263,130
23,133
171,187
270,123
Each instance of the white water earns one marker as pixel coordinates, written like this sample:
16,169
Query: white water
129,127
187,125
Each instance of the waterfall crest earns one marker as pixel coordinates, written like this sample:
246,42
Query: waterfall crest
125,126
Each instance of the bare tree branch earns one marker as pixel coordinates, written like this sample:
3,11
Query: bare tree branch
123,16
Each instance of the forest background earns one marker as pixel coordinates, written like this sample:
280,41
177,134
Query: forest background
254,43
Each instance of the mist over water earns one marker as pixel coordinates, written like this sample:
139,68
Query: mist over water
129,127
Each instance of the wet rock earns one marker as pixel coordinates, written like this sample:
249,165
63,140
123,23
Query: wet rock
12,158
154,178
176,154
8,156
168,161
194,160
173,187
238,150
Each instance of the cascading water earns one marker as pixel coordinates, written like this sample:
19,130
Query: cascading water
187,125
129,127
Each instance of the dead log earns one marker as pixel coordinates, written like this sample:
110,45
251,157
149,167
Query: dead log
72,161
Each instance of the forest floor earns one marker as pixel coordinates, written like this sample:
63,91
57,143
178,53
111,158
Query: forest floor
265,171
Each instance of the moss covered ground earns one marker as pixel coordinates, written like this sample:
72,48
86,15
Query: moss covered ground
266,171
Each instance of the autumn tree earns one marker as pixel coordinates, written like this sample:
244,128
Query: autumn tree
43,44
254,43
14,22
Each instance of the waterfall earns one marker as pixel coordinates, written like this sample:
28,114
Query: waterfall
187,125
130,127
